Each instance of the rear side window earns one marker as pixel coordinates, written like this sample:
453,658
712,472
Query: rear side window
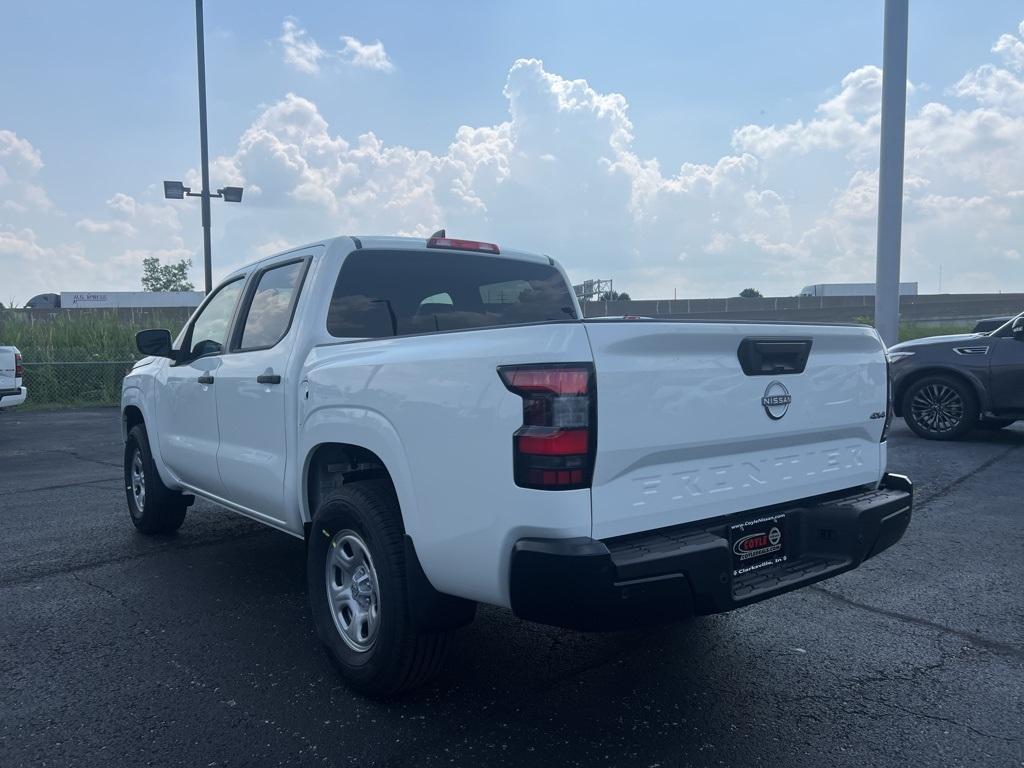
396,293
270,310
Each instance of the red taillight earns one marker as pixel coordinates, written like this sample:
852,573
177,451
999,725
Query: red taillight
462,245
19,368
554,449
566,442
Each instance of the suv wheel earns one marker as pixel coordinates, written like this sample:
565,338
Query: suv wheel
356,575
153,507
941,408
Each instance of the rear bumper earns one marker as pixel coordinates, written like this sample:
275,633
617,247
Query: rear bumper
675,573
9,397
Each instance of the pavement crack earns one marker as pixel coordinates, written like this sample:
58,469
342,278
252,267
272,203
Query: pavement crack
96,482
980,641
75,569
923,500
940,718
78,457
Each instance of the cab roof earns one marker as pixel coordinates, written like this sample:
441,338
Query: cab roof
389,242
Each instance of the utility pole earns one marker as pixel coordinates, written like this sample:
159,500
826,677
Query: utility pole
890,170
203,148
176,190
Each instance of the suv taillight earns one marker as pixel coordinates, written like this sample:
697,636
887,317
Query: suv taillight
888,400
555,447
19,368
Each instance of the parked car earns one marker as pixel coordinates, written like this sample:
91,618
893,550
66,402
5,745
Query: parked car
945,386
12,392
440,424
988,324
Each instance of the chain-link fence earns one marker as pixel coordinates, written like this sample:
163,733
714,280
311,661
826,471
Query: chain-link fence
79,356
77,382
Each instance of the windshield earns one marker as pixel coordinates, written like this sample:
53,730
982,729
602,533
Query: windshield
1005,326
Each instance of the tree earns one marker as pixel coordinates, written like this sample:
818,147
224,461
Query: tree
166,277
614,296
750,293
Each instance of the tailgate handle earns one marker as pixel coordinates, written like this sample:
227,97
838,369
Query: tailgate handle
773,357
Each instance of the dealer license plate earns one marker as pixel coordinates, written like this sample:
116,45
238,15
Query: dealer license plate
757,543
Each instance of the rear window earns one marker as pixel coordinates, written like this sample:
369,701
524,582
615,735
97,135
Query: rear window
396,293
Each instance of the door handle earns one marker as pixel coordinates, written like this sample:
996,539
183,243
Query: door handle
268,378
205,379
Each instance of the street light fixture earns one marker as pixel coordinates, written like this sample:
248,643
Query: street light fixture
175,190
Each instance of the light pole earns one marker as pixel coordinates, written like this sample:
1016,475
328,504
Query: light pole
175,189
890,171
203,151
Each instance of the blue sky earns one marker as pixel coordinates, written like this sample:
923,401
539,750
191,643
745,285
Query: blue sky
657,188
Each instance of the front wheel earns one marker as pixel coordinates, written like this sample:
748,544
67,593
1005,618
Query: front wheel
154,508
356,576
941,408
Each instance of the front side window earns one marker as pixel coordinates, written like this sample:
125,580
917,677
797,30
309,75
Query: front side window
270,311
210,330
395,293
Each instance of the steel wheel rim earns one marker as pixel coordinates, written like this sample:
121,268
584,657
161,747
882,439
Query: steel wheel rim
353,590
938,408
138,478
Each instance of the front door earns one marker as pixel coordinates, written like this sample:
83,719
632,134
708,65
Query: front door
253,390
186,400
1007,375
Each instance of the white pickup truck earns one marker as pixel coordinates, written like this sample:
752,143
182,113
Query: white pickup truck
11,390
440,424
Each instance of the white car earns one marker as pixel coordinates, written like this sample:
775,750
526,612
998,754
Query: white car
438,422
11,390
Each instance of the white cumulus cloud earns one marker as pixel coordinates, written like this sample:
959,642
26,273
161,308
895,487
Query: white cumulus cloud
301,51
366,55
304,54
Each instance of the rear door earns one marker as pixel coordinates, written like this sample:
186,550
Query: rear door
253,391
1006,370
685,433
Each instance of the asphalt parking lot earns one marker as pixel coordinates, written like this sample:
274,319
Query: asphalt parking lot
197,649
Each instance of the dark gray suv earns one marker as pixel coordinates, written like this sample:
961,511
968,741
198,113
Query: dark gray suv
945,386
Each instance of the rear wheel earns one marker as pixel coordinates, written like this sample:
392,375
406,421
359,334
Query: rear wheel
153,507
940,407
356,576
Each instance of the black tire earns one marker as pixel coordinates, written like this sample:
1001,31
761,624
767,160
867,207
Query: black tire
161,510
994,424
941,407
398,657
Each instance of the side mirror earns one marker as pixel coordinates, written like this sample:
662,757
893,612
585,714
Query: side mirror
155,343
1018,329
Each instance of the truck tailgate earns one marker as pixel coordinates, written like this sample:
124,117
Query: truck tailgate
7,380
685,433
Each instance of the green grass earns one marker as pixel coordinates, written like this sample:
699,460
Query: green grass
910,331
78,358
